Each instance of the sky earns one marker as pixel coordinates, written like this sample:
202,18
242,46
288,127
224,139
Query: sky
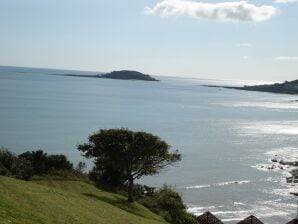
244,40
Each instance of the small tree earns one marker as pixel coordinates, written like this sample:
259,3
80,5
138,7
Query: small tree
134,154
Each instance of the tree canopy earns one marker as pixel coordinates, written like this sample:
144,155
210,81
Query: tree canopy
32,163
128,154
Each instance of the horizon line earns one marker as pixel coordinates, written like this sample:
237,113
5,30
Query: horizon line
167,76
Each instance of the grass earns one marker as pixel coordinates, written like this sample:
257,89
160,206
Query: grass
71,202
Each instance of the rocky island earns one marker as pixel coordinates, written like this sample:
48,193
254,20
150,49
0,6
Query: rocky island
285,88
124,74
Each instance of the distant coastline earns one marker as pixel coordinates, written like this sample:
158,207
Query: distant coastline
124,75
283,88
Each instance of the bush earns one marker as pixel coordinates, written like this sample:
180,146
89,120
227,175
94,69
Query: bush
44,164
12,165
37,163
23,169
4,171
8,161
168,203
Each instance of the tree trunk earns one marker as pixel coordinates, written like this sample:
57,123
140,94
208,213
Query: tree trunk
130,190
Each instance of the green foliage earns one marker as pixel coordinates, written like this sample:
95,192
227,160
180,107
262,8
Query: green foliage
168,203
45,164
122,155
4,171
7,161
65,202
12,165
35,163
107,176
23,169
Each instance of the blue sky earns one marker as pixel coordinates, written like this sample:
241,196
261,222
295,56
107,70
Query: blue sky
253,40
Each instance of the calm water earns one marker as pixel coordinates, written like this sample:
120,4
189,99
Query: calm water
226,137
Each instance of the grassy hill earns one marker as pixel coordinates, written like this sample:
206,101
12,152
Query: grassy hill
57,201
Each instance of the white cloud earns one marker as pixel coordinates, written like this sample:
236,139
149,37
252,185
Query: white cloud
286,58
225,11
285,1
244,45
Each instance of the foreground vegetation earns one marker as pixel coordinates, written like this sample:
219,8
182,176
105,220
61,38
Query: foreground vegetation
61,201
51,190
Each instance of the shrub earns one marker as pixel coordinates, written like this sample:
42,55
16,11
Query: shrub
8,161
23,169
4,171
38,163
168,203
12,165
43,164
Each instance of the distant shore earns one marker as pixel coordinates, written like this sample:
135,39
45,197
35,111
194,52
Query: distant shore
282,88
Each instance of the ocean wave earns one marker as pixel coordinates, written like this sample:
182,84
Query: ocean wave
232,219
291,105
287,191
273,167
232,212
219,184
271,127
279,160
289,154
239,210
233,182
198,186
239,203
200,210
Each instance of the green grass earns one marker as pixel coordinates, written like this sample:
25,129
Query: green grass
60,201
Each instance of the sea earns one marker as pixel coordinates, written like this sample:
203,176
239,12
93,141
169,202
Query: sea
228,138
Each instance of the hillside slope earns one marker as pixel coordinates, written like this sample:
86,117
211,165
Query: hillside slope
67,202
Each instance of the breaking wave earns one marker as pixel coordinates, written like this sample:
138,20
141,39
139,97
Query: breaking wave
238,211
219,184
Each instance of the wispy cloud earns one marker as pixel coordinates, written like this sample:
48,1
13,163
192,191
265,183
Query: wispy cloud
224,11
286,58
244,45
285,1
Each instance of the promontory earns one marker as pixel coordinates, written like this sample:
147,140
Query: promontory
285,87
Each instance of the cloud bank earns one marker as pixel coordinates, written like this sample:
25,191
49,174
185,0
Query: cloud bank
285,1
225,11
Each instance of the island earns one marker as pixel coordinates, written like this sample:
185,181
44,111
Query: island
285,88
123,74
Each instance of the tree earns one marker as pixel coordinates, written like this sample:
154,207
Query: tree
133,154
